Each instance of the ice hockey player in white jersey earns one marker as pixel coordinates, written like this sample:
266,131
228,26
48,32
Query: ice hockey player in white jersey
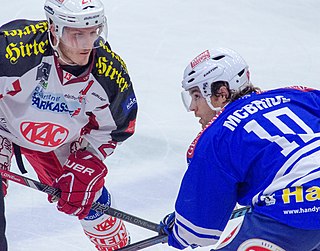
66,102
262,149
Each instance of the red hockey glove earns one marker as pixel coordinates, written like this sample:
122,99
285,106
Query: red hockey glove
82,177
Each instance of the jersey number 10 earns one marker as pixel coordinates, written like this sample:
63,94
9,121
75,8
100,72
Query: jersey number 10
275,118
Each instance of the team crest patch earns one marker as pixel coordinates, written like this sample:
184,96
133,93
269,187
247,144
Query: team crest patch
43,72
259,245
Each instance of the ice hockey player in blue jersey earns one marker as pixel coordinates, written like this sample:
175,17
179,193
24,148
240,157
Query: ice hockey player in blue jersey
261,149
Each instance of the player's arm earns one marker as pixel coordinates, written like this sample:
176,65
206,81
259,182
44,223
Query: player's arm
206,199
84,172
113,122
82,177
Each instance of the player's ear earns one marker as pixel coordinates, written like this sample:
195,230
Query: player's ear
51,27
53,34
224,92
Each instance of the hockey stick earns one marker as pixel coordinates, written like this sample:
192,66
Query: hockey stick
162,238
95,206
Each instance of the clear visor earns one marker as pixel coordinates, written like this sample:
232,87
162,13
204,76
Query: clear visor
84,38
186,100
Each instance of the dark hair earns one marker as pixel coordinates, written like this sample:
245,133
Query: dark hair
245,91
233,95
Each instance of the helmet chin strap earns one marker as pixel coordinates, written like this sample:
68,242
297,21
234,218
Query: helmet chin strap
216,109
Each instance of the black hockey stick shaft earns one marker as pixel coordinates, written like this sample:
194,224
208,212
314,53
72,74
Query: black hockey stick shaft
95,206
162,238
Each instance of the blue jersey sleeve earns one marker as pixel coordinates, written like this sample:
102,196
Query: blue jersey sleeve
206,199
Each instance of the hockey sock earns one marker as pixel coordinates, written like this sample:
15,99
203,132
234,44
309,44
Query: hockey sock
105,232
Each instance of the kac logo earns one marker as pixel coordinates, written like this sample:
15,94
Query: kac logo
44,133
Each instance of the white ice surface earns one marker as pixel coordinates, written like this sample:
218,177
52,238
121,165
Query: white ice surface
279,40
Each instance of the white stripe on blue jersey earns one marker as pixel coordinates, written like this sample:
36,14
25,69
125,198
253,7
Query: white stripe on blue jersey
189,233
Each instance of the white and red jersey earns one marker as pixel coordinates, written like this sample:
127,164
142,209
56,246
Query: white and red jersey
43,107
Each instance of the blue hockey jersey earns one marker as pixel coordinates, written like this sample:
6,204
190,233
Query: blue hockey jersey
261,150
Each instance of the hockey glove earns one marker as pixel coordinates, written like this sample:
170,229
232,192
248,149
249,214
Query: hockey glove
167,223
83,176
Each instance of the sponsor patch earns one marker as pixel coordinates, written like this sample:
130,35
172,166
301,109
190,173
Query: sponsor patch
44,133
86,1
98,96
106,68
109,235
52,102
31,29
129,104
202,57
17,50
299,194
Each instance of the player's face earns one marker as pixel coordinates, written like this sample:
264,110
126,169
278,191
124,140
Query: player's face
74,55
200,107
76,44
81,38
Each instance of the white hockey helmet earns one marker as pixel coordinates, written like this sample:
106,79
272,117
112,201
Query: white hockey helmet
221,64
77,14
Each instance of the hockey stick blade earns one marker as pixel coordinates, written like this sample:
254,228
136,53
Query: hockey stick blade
95,206
146,243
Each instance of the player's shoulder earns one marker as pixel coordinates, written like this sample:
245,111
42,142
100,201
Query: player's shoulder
268,98
23,43
290,90
110,69
104,52
29,35
292,94
253,105
23,27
